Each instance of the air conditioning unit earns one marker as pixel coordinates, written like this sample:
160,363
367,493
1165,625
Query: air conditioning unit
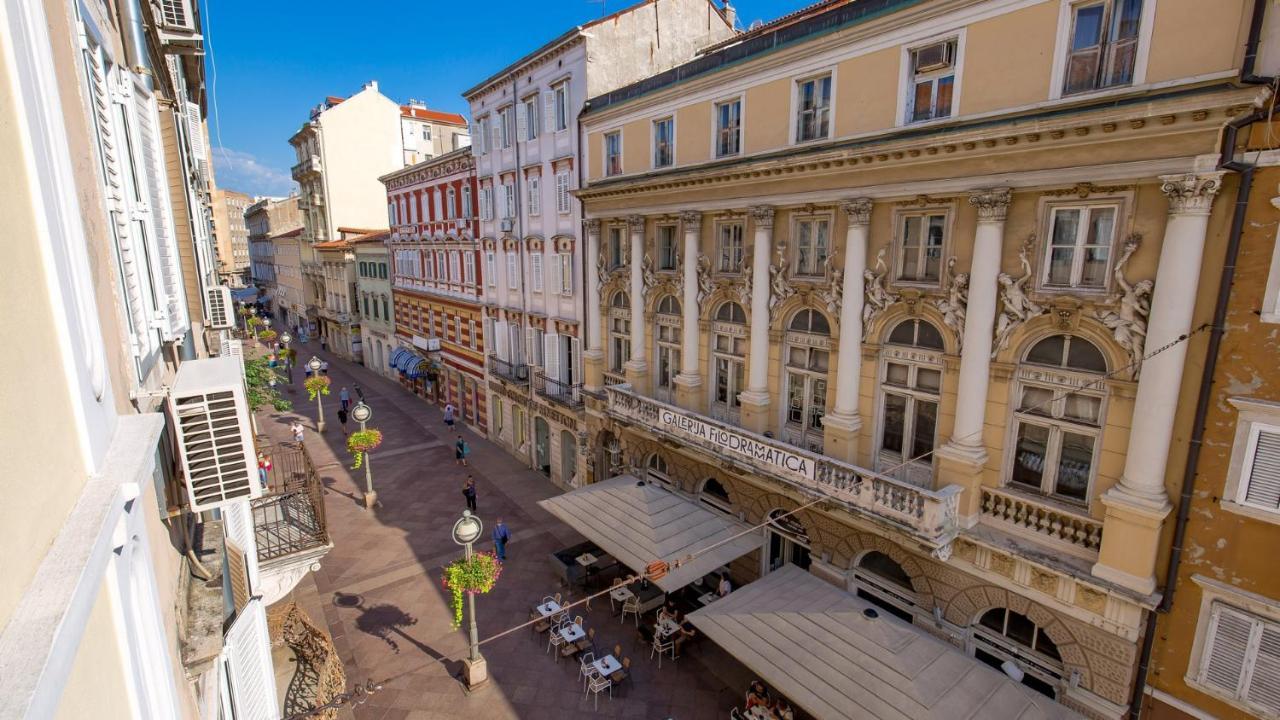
220,310
210,417
179,27
508,224
938,56
233,348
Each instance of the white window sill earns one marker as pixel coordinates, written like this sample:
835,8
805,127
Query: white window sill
1271,317
1270,516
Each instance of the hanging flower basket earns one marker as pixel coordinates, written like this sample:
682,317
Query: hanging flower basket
476,576
317,385
361,442
254,321
268,336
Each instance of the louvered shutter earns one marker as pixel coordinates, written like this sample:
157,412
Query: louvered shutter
490,269
488,335
1225,652
1263,486
575,351
513,271
535,271
500,340
247,658
237,575
562,192
531,342
237,525
553,270
551,356
549,111
195,131
147,125
1264,683
495,134
535,196
522,123
517,347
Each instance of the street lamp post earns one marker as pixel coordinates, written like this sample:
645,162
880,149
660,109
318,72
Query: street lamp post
285,339
314,364
362,413
465,532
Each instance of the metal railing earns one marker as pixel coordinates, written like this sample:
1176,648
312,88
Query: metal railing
514,372
290,517
564,393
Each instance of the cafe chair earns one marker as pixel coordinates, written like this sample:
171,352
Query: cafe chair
661,646
588,642
598,683
620,675
556,639
631,605
613,604
585,669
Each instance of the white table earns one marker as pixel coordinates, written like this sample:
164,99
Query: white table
586,559
708,598
668,627
607,665
548,608
572,633
622,593
761,712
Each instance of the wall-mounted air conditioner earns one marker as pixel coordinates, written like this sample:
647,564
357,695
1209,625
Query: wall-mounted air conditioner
179,28
508,224
210,417
219,309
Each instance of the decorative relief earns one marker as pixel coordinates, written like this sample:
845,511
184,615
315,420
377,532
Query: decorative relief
1016,307
647,278
833,294
955,301
858,210
878,297
1044,582
1002,564
592,226
1090,599
1085,189
1191,193
1131,306
780,287
992,205
763,215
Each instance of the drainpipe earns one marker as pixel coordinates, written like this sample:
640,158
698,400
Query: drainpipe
1204,396
518,188
135,41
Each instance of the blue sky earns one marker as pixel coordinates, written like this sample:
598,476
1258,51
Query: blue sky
268,63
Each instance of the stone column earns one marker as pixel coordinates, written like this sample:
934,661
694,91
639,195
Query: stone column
689,382
842,425
593,358
962,459
1138,505
755,399
637,369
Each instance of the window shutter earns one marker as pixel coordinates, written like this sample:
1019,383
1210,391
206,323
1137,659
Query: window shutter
495,134
247,657
517,347
531,342
500,340
554,272
488,334
195,131
535,271
522,122
161,219
237,524
1263,487
1264,683
490,269
562,192
549,111
1225,655
566,274
535,196
513,271
238,575
575,350
551,356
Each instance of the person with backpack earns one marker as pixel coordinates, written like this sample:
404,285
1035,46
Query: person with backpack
342,419
460,451
469,492
501,536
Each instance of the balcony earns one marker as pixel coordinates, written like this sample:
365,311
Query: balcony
308,167
511,372
1070,532
929,516
289,521
558,392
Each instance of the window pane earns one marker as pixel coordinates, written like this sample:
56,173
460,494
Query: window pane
818,360
1074,465
896,374
1101,224
1124,24
933,248
1083,355
895,418
796,357
722,380
1082,70
994,619
1094,271
1021,630
1029,455
1082,408
795,398
943,104
1048,351
1037,400
903,333
927,379
925,422
929,337
817,403
1066,223
1088,27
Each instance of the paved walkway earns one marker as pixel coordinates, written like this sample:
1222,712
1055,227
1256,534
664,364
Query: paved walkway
379,590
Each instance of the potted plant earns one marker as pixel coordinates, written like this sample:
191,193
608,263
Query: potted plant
316,385
361,442
268,336
475,575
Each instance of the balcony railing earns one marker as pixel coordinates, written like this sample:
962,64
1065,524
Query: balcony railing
289,518
928,515
307,167
1079,534
614,378
561,392
509,371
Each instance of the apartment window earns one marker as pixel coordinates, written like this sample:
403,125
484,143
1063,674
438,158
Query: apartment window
617,248
486,203
1080,241
382,271
813,115
513,271
535,271
1058,419
429,267
566,274
481,135
534,200
366,305
469,268
562,193
1253,480
619,331
498,413
386,309
471,333
663,142
729,247
532,118
613,153
921,236
560,93
490,268
1103,45
450,204
910,386
728,128
507,125
1241,657
728,354
806,360
455,267
466,202
1002,635
813,243
933,76
668,247
509,200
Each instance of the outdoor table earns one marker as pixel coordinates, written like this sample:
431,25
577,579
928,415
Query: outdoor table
621,594
572,633
607,665
668,627
586,560
708,598
548,608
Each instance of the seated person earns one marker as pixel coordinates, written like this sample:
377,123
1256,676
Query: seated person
783,710
757,695
685,633
724,588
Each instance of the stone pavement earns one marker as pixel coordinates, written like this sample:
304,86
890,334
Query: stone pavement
379,590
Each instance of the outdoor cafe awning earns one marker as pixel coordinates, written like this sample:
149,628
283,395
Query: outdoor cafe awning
812,642
639,522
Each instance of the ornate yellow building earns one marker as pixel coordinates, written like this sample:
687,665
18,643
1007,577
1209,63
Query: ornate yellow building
939,267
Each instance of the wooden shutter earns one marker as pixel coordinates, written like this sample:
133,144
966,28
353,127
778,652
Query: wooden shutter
513,271
196,131
488,335
1264,682
1224,654
566,273
535,271
549,111
531,342
562,192
554,271
522,122
238,575
575,353
500,339
1262,488
535,196
247,660
551,356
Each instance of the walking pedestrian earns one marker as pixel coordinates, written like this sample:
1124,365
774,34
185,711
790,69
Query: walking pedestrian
324,367
469,492
359,392
448,415
296,429
344,397
342,419
501,536
264,467
324,343
460,451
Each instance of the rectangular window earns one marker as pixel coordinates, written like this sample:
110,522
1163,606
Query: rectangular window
663,142
1103,45
471,336
813,112
535,196
668,248
812,245
1080,241
513,271
1055,439
466,201
566,274
486,203
728,128
1241,657
490,269
562,193
561,93
933,75
469,268
617,248
613,153
532,118
1260,476
535,271
507,125
920,247
450,204
729,248
498,412
509,200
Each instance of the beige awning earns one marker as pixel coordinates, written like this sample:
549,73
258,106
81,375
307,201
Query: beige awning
812,642
639,522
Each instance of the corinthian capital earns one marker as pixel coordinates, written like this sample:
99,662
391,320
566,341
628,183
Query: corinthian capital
592,225
992,204
858,210
636,223
1192,193
763,215
691,218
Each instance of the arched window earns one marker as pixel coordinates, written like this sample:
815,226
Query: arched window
666,339
788,541
807,360
882,581
656,466
1058,421
619,331
910,382
1002,635
728,361
715,496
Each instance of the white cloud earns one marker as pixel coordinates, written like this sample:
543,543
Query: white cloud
241,171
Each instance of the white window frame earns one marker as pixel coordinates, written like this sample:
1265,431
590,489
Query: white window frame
607,157
490,268
532,116
718,266
915,358
507,125
717,130
1255,416
535,272
563,193
819,269
1217,597
676,248
509,200
906,84
560,95
899,244
1062,45
513,271
566,273
534,185
468,267
1048,211
934,77
654,154
1271,298
466,201
794,136
618,232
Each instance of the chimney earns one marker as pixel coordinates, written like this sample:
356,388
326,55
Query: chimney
730,15
371,85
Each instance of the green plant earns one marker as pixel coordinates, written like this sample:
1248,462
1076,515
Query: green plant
268,336
361,442
476,575
254,321
257,377
316,385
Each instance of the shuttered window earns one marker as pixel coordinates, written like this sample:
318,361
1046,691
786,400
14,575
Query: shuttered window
1241,657
535,271
248,678
1260,479
562,193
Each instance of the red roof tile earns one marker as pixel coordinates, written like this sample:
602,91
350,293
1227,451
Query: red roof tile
439,116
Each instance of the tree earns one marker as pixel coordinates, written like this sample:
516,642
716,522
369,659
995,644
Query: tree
258,377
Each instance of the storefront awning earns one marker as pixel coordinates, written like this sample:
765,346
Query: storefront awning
639,522
813,643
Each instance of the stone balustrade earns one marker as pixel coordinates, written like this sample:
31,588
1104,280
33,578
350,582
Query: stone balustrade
1080,533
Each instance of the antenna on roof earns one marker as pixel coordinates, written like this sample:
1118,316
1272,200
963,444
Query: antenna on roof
602,3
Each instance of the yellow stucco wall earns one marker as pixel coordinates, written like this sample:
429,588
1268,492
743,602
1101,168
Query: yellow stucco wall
1022,67
764,127
693,133
1193,37
96,685
866,91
